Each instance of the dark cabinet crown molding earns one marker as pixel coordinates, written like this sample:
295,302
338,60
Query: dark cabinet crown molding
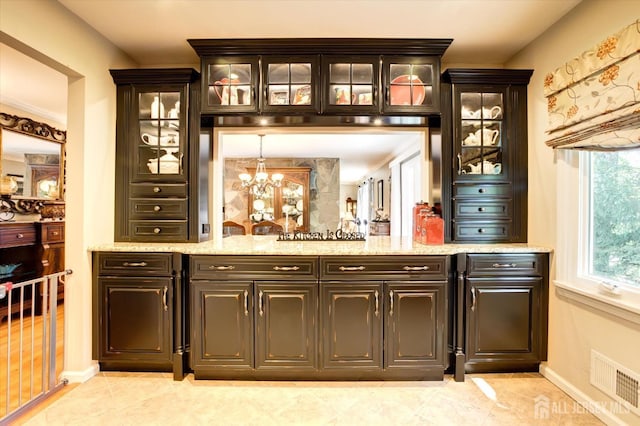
154,75
308,46
487,76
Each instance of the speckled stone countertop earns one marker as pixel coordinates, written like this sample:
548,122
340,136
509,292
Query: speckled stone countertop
269,245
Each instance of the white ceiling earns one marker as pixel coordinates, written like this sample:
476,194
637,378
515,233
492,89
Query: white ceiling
155,33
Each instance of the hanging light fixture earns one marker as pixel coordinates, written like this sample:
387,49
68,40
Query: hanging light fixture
260,182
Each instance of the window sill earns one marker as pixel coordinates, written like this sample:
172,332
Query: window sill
625,305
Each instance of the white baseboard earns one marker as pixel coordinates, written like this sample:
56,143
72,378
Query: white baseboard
583,399
80,376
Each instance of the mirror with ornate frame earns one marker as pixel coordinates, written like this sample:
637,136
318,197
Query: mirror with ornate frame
32,164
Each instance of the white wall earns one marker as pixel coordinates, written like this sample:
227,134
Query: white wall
47,31
574,329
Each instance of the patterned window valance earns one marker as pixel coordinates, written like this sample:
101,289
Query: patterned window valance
594,100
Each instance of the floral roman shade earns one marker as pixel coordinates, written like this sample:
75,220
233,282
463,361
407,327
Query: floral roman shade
594,100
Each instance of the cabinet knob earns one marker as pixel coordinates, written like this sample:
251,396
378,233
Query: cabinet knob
18,236
480,231
54,233
481,190
157,189
480,209
157,208
156,230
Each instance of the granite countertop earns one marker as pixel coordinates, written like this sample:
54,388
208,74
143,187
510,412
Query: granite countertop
269,245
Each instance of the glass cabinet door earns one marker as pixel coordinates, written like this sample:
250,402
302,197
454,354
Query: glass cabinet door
231,84
410,84
350,83
480,140
289,84
159,150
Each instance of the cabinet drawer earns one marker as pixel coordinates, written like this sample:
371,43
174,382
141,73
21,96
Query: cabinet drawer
507,264
158,209
17,235
253,267
158,230
158,190
482,209
381,267
482,230
52,232
144,264
481,190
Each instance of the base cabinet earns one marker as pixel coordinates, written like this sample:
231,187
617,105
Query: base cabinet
415,324
352,325
506,312
242,326
137,304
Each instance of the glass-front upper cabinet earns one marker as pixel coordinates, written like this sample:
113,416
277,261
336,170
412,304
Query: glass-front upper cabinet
230,84
350,84
479,137
411,84
161,135
289,84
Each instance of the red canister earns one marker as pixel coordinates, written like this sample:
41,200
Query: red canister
417,220
434,229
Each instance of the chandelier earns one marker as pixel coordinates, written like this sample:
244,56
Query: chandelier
260,182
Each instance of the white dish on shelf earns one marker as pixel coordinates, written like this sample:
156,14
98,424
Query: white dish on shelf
170,139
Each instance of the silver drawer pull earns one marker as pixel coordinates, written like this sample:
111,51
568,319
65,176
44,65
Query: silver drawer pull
156,230
222,267
352,268
157,208
286,268
504,265
135,264
54,233
18,236
156,189
480,209
416,268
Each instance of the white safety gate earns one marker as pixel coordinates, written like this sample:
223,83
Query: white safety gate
28,344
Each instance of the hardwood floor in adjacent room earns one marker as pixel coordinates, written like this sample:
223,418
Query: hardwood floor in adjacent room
27,341
113,398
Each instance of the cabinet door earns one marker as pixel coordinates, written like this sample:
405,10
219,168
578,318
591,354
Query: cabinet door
352,325
415,326
290,84
504,319
479,134
286,325
229,84
411,84
222,324
136,319
350,84
160,137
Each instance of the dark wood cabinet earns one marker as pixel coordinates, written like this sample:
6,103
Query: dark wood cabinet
253,316
415,325
138,305
411,84
230,84
484,131
385,316
506,303
352,325
136,318
350,85
290,84
286,325
159,193
311,77
222,325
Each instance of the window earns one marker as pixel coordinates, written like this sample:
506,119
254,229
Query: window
613,217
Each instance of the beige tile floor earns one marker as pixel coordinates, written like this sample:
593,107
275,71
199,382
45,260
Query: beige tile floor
112,398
